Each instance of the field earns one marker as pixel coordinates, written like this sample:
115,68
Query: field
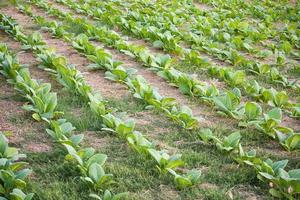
149,100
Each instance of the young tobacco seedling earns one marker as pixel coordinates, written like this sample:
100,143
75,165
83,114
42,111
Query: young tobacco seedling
139,143
295,111
34,42
191,178
120,74
102,60
9,64
165,161
250,114
82,44
61,131
254,90
184,116
142,90
233,78
187,85
44,104
260,69
12,172
109,196
290,141
229,143
206,135
284,184
228,103
97,105
117,125
72,79
248,158
277,77
269,124
163,62
90,164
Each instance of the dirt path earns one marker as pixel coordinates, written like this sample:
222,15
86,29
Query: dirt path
202,6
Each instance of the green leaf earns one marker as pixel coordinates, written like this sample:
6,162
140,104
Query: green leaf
275,113
252,110
3,143
76,139
206,134
275,193
96,172
95,196
36,117
293,142
97,158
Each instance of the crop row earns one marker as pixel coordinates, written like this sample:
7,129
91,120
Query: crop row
229,103
284,183
12,169
231,142
182,17
267,13
72,79
168,38
140,88
231,77
43,103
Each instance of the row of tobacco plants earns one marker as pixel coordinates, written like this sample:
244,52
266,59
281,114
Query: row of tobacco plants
249,114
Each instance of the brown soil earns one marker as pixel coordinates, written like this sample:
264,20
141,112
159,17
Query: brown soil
59,6
246,194
208,186
202,6
292,123
6,108
275,149
143,118
92,139
168,193
37,148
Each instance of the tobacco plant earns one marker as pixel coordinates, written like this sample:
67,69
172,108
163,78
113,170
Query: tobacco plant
189,179
12,172
229,103
165,161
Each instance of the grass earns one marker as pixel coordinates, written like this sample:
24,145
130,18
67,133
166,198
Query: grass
128,104
53,178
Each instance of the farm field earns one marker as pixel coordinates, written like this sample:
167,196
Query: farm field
149,100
